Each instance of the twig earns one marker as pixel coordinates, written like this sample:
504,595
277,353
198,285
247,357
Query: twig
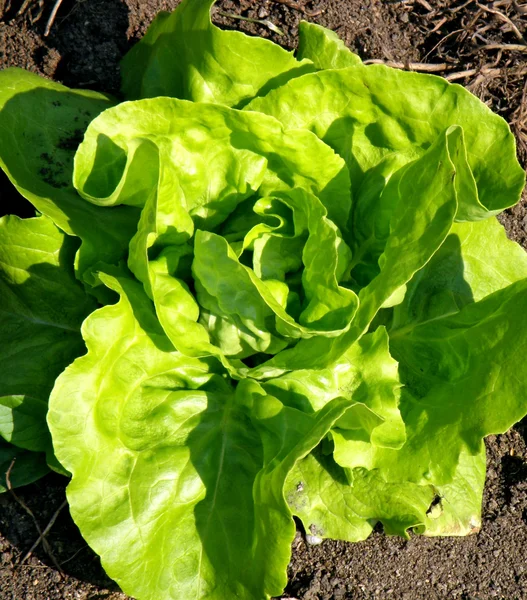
7,8
439,25
265,22
519,122
443,39
291,4
458,8
39,14
52,16
425,4
511,47
41,534
74,555
523,102
19,500
412,66
521,9
505,19
490,71
25,5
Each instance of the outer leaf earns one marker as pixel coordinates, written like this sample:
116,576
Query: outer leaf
459,509
157,445
345,504
184,56
324,48
288,436
475,260
351,111
464,375
41,125
41,309
147,450
27,468
23,422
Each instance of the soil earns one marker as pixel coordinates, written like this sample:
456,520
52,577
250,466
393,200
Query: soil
465,40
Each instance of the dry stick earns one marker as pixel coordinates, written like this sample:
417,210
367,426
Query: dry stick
435,68
504,18
21,502
264,22
491,72
458,8
291,4
443,39
74,555
52,16
430,68
483,29
520,124
523,102
439,25
39,14
24,7
511,47
425,4
41,535
478,36
520,9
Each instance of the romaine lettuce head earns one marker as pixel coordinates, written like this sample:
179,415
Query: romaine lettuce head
318,313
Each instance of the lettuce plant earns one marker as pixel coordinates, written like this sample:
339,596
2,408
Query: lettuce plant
264,285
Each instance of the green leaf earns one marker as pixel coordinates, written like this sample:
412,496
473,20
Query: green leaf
367,376
463,382
424,195
245,152
255,305
458,511
352,112
288,435
26,468
345,504
156,447
41,125
42,307
475,260
236,294
207,159
23,422
147,450
324,48
184,56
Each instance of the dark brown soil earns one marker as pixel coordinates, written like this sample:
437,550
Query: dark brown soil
82,50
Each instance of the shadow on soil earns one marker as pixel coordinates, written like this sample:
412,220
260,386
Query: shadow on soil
68,548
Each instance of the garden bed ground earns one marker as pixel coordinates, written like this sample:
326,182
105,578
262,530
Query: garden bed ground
467,41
